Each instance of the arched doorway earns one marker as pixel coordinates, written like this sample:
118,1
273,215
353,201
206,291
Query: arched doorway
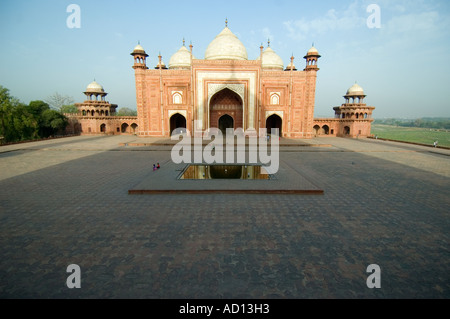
346,130
134,127
225,122
124,128
316,129
177,121
273,122
325,130
103,128
226,102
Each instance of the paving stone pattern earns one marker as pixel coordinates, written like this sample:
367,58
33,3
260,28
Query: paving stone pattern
66,202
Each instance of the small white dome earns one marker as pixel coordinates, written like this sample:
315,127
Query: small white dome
138,48
94,87
355,90
271,60
226,46
181,59
163,65
313,51
291,66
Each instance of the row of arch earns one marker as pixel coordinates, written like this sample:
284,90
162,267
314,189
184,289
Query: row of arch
95,113
354,115
325,130
94,96
311,62
359,100
178,123
139,60
125,128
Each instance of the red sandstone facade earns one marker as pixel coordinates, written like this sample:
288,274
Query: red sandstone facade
223,90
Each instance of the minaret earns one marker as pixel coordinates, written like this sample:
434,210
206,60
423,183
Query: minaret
312,56
139,57
291,67
140,68
161,65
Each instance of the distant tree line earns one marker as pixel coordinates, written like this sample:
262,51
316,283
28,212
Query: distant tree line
19,121
425,122
125,111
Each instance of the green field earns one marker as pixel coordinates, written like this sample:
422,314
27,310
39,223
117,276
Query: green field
412,134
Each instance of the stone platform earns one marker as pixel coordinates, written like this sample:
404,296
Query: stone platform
166,181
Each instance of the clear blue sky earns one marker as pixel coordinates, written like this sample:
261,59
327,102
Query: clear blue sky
403,66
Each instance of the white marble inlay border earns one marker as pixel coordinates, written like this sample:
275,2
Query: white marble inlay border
270,113
238,88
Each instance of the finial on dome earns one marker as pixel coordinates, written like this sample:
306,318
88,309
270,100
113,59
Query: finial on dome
226,22
268,42
183,42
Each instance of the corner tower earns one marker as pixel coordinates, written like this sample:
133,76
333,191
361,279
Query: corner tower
95,105
139,57
140,67
355,116
311,57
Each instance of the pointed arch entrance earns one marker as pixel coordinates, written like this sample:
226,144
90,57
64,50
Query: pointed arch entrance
226,102
124,128
177,121
273,122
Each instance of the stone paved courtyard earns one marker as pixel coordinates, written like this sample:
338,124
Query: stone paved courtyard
66,201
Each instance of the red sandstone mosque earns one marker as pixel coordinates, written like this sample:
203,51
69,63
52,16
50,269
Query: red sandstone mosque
224,90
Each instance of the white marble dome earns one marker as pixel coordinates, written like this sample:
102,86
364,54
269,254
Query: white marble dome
271,60
138,48
226,46
94,87
313,51
181,59
355,90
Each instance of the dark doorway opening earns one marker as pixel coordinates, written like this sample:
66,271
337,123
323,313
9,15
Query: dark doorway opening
274,122
225,122
177,122
346,130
